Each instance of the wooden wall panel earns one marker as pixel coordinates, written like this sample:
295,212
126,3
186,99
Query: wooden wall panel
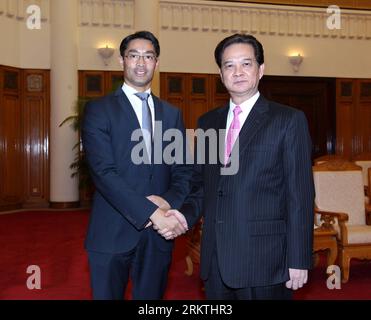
95,84
173,90
194,94
353,110
315,97
11,140
364,116
198,97
24,138
36,115
344,129
12,158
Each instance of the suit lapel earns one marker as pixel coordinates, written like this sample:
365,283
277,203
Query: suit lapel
221,123
132,122
159,112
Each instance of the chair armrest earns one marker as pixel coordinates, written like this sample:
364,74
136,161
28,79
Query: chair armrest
328,218
342,217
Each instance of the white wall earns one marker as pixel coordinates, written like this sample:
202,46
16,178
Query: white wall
9,42
91,38
34,47
323,57
190,30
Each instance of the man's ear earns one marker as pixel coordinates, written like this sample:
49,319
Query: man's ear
261,70
121,61
221,75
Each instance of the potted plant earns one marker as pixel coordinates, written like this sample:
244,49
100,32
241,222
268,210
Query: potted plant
79,165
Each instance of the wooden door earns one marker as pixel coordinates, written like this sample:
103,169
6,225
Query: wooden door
11,139
315,97
353,121
173,90
198,100
36,119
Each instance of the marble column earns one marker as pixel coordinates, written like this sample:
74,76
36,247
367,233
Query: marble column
64,191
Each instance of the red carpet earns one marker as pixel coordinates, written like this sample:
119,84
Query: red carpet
54,242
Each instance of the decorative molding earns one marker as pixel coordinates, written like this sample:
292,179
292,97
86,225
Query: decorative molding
97,13
107,13
203,16
34,83
17,9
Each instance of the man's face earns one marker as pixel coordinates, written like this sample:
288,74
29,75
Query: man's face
240,72
139,64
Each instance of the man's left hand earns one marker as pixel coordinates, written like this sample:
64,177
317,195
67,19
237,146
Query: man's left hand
298,277
159,201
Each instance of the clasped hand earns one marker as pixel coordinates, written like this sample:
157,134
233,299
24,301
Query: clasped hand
168,222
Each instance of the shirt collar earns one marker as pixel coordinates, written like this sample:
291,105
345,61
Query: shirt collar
247,104
131,91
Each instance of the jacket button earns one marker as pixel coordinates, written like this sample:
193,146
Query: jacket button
220,193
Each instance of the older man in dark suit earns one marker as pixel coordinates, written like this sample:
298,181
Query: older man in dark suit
258,222
132,195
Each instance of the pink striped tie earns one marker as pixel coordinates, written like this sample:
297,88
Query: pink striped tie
233,132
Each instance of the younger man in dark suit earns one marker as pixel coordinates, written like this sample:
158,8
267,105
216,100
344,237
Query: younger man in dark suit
131,197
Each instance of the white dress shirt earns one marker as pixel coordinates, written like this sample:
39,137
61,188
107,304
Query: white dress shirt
245,106
136,103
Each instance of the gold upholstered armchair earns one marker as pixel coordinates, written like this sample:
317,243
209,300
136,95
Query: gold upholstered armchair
328,157
340,201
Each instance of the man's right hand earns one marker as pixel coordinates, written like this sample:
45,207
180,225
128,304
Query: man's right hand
168,226
168,234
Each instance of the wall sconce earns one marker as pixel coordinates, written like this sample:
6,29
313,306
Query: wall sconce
106,53
296,61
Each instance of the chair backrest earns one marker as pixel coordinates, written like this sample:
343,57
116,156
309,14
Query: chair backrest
339,188
363,160
328,157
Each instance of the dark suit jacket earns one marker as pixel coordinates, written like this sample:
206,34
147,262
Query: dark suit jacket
120,208
260,220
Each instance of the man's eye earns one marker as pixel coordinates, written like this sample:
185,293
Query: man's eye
133,56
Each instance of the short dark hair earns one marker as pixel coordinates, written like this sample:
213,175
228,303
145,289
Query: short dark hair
140,35
239,38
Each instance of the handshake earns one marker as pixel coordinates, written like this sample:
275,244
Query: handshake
168,222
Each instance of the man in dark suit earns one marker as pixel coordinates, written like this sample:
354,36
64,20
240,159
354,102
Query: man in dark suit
257,222
131,196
